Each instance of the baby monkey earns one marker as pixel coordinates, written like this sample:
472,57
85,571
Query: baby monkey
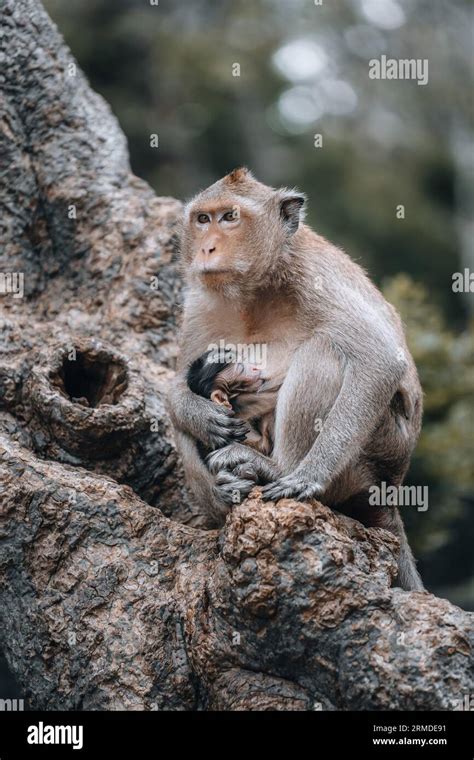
241,388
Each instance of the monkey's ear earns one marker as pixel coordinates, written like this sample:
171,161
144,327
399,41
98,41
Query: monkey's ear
292,210
219,397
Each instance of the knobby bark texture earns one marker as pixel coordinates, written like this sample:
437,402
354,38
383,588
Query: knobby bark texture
114,592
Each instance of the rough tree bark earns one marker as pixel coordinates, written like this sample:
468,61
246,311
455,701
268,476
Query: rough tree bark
113,592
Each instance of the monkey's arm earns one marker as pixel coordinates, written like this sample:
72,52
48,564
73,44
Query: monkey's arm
369,380
201,418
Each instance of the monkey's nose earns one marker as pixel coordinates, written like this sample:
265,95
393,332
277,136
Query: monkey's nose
209,249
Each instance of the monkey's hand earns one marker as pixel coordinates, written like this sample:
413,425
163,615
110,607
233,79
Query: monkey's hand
298,485
221,428
242,462
203,420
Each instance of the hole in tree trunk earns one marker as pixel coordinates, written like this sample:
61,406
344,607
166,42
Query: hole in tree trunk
88,398
91,380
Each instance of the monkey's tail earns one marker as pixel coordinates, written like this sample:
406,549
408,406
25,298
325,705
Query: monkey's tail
408,576
358,507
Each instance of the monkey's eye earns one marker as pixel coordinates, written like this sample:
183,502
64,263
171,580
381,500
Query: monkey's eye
230,216
203,219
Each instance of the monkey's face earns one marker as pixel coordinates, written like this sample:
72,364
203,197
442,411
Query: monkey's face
241,377
235,231
218,234
233,381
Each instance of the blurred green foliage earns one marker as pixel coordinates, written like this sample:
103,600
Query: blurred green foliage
168,70
444,535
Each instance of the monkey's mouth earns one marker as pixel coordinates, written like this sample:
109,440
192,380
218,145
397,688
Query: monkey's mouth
207,272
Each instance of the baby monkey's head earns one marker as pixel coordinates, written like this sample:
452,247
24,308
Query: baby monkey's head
222,380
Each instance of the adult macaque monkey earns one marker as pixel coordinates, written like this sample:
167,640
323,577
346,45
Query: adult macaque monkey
348,412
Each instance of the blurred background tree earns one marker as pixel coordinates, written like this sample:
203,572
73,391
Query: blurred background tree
170,69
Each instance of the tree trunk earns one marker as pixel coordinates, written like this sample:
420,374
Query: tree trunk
114,593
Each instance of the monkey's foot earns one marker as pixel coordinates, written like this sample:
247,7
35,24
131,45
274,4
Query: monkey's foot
232,490
293,486
243,462
229,457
